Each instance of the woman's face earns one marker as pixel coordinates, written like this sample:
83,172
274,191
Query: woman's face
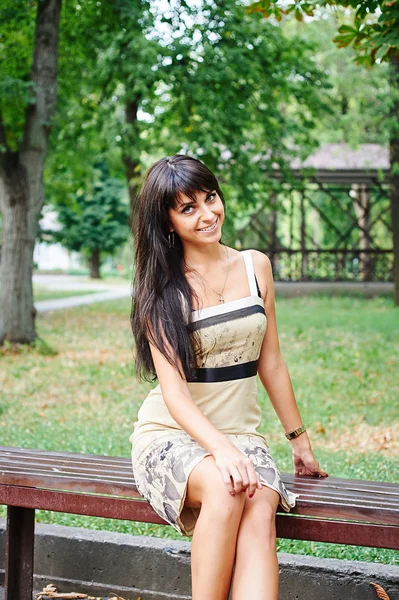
198,222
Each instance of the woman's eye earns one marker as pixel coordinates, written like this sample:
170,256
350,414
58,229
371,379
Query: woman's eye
211,198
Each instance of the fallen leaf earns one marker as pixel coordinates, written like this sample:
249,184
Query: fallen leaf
381,593
67,596
50,591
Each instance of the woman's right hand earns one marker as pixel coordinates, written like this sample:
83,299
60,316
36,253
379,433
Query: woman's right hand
237,470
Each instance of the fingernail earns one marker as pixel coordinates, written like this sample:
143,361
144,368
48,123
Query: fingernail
250,495
232,494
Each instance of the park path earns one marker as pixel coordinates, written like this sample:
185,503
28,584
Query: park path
114,291
103,291
61,303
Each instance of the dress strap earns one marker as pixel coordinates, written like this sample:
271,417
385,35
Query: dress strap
250,272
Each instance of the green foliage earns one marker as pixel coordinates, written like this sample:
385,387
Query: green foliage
137,81
373,41
17,26
374,33
245,102
220,85
96,218
360,99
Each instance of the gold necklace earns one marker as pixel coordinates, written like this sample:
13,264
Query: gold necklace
220,294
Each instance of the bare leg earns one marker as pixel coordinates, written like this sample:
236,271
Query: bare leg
256,571
215,534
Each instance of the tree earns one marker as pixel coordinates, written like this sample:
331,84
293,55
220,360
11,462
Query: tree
374,34
201,88
96,222
129,92
23,150
244,100
353,119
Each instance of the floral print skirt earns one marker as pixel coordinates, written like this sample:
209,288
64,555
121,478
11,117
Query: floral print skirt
162,462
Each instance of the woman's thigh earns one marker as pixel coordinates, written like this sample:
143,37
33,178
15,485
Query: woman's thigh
205,484
199,480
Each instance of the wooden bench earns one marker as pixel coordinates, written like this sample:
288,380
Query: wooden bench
344,511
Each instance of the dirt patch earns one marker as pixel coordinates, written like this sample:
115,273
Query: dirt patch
364,438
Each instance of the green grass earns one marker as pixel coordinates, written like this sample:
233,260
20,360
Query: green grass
78,393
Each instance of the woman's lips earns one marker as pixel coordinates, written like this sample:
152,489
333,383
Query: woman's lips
211,227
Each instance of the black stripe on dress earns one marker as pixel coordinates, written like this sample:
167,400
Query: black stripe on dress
239,313
230,373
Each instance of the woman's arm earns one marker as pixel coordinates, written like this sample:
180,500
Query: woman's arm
237,470
275,378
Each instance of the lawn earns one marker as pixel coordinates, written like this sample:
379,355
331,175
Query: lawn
76,391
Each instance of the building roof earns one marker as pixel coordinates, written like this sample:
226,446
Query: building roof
340,163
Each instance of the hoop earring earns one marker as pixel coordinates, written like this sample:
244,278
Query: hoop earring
173,239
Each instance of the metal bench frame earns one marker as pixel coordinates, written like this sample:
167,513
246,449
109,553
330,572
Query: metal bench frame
335,510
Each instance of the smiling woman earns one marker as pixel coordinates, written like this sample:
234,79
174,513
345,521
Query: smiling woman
206,214
204,323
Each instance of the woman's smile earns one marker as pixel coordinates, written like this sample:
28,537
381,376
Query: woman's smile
210,228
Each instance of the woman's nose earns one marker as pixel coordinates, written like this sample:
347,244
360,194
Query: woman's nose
206,212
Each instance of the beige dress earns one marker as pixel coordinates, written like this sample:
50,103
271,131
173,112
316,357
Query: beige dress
225,389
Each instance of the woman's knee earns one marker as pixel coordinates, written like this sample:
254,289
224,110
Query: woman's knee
259,514
205,488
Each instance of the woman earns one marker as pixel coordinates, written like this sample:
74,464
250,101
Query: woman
199,319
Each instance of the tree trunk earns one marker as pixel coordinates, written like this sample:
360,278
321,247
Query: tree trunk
21,183
131,157
95,264
394,159
16,298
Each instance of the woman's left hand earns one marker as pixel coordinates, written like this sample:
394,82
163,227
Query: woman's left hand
305,462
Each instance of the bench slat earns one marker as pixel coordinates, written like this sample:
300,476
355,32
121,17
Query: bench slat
307,505
122,467
55,477
114,486
102,462
60,455
338,532
112,477
380,487
290,526
330,485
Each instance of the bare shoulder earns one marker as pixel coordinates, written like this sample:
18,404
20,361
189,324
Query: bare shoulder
263,272
261,261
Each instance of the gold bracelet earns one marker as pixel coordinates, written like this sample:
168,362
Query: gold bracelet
295,433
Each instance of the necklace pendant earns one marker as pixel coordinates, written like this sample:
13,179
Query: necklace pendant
221,299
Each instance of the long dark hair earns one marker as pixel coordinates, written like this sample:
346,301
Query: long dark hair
162,298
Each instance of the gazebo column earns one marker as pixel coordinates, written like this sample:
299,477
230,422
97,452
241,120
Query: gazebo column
361,202
273,234
304,263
